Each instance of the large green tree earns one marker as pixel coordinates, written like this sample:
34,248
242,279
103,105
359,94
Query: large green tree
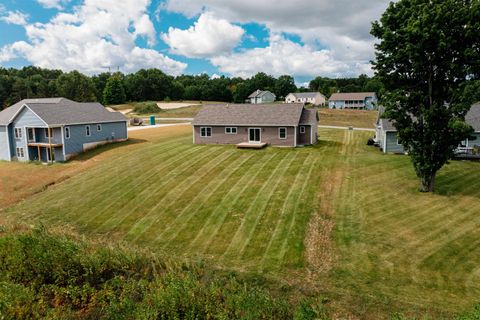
429,51
76,86
114,93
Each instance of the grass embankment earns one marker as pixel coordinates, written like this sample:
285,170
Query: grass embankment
339,220
48,276
145,109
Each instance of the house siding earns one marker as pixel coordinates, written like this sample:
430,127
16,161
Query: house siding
391,143
4,144
304,138
268,135
25,119
112,131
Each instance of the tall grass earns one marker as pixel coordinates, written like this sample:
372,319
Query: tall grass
43,275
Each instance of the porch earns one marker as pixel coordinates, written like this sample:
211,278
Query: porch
251,145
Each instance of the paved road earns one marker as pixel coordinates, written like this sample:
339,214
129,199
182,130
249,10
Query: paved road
157,126
346,128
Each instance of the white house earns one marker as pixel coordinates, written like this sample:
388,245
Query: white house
260,96
315,98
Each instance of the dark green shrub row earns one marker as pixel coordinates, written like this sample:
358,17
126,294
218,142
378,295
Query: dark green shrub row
51,276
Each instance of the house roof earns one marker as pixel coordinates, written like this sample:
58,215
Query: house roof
473,117
250,114
61,111
259,93
351,96
309,116
305,94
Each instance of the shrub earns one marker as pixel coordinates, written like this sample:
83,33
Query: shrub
146,108
51,276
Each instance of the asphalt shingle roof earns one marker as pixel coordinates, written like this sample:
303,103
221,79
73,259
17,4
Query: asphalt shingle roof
61,111
250,114
473,117
309,116
346,96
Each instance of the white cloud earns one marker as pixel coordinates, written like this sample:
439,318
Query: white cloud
15,17
97,34
52,4
283,56
209,36
342,26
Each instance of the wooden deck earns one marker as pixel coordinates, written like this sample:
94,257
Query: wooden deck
248,145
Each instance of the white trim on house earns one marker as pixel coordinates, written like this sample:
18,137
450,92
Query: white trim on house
18,133
231,129
280,135
20,152
260,137
294,136
206,132
47,132
311,134
8,143
28,135
62,133
384,142
99,127
193,134
20,110
88,130
302,129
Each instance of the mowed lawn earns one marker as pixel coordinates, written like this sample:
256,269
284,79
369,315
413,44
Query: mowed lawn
339,220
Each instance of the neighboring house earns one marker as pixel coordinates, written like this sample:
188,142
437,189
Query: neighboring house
56,129
315,98
353,100
387,139
287,125
260,96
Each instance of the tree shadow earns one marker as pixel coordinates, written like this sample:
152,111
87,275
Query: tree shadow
104,148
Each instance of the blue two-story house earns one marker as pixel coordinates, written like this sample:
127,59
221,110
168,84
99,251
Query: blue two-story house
56,129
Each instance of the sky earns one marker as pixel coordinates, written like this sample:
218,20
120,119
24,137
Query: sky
302,38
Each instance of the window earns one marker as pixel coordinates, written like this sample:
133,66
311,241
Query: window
18,133
231,130
20,153
47,133
205,132
31,134
282,133
67,132
398,142
99,127
87,131
464,143
302,129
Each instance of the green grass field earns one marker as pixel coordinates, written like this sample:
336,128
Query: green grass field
339,220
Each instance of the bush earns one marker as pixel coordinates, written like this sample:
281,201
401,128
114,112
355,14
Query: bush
51,276
146,108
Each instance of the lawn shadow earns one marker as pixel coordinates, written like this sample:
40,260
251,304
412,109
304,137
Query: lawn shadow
454,183
104,148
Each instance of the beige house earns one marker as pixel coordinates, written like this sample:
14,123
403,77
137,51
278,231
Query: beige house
287,125
315,98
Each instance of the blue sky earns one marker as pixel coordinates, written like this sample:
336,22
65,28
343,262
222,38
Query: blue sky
233,38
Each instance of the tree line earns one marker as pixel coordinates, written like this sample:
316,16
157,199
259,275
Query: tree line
153,84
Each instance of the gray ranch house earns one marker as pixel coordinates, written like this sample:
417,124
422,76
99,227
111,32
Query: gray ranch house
285,125
55,129
386,134
353,100
260,96
315,98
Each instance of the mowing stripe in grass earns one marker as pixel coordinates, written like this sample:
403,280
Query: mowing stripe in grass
280,252
216,219
242,230
181,221
140,180
104,195
288,202
98,175
146,221
130,205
